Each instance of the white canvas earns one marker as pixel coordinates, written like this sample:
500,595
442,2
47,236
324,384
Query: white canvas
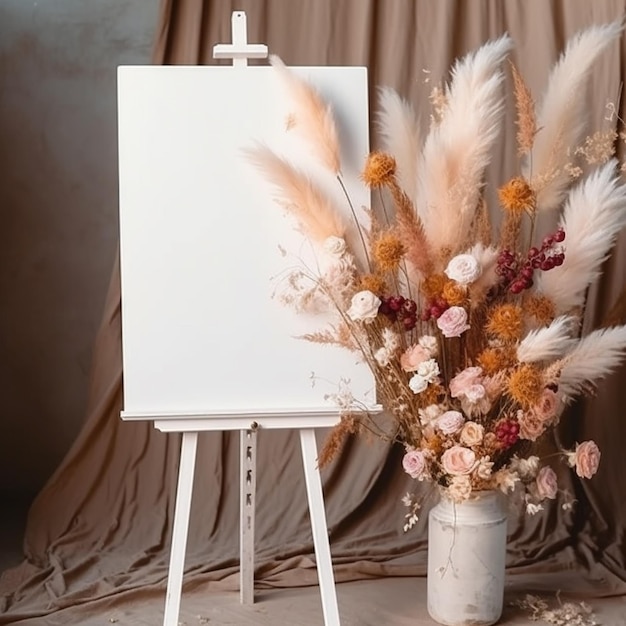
202,242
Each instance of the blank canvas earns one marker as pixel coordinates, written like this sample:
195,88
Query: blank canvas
204,247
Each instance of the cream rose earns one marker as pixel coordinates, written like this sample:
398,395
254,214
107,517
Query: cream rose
530,426
471,434
415,464
412,357
450,422
417,384
586,459
453,322
546,483
428,370
458,461
364,306
334,246
463,268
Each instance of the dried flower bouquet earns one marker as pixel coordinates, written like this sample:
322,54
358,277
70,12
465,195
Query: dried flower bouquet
472,335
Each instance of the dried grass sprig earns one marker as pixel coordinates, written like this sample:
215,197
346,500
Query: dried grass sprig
313,117
525,107
593,216
298,194
457,150
399,130
594,357
562,114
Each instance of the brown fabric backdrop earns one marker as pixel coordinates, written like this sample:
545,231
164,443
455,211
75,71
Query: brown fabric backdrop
99,531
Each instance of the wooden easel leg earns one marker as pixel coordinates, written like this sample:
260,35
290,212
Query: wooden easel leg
247,459
319,528
181,527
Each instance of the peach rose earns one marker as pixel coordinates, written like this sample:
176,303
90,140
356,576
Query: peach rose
472,434
453,322
530,426
412,357
546,483
464,380
415,465
586,459
547,406
458,461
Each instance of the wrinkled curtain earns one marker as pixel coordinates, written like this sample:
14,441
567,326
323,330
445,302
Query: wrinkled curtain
100,529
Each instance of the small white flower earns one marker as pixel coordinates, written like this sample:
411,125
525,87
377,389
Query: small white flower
335,246
526,468
484,467
463,268
383,356
418,384
429,370
429,414
532,508
505,479
391,340
364,306
429,343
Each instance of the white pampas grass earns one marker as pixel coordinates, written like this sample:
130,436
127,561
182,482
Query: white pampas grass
562,115
595,356
314,118
399,130
296,192
457,150
593,216
487,257
548,343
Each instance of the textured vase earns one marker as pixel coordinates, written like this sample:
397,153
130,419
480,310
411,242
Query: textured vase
466,560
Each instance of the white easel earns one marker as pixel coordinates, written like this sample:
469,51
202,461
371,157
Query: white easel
190,423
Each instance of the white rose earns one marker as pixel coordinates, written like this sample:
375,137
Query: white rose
428,370
429,343
450,422
471,434
335,246
364,306
418,384
463,268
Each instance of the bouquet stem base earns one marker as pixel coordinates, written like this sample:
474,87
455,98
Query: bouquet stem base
466,560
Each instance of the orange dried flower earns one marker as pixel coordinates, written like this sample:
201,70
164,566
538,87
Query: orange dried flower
526,385
433,285
454,294
494,360
517,196
388,251
374,283
380,169
541,308
431,394
505,321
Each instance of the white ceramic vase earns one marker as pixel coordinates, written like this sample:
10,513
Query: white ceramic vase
466,560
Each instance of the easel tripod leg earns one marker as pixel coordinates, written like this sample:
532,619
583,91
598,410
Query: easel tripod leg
247,454
319,528
181,527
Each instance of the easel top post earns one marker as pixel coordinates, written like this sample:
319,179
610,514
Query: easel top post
239,50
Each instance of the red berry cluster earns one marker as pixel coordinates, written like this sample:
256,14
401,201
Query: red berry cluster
517,274
398,308
507,432
434,309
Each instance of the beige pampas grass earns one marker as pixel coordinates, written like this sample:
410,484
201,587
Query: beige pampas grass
548,343
595,356
562,115
594,214
457,150
525,106
313,117
399,129
296,192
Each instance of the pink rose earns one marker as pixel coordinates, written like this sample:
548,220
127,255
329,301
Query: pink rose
458,460
415,464
450,422
453,321
464,380
472,434
475,393
412,357
546,483
587,459
530,426
547,406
